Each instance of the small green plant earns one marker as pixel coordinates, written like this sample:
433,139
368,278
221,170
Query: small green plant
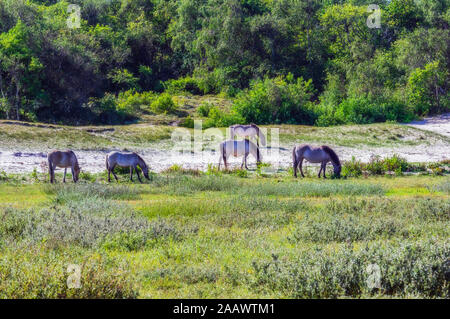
35,175
3,176
353,168
375,166
395,164
164,104
204,109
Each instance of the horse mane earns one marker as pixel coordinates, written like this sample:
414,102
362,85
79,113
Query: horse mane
332,154
260,134
141,159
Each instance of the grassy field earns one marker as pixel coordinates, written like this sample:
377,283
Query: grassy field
188,234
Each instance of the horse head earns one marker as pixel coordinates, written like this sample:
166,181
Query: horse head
76,170
337,170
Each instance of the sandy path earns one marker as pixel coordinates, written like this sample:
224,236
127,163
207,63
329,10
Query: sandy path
438,124
21,161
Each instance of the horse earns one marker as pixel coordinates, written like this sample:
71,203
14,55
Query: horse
238,148
131,160
322,154
63,159
247,131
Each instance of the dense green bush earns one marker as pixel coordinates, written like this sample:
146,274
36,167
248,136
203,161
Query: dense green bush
204,109
184,84
363,111
164,104
133,102
219,118
278,100
353,168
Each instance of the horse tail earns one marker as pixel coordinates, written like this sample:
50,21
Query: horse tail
50,167
107,160
294,157
258,156
224,155
332,155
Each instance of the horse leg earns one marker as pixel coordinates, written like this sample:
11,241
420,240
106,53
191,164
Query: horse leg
65,171
131,173
137,172
320,170
300,164
53,173
114,174
73,174
50,171
294,166
324,169
245,157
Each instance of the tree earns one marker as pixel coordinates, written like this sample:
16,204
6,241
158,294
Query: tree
428,89
19,68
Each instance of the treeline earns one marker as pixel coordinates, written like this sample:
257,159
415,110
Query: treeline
282,61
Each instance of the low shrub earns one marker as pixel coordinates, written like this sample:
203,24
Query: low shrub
35,272
164,104
67,192
133,102
353,168
395,164
443,187
220,118
204,109
186,84
376,166
348,229
406,269
61,227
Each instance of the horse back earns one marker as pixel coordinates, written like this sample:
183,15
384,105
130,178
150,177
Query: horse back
62,158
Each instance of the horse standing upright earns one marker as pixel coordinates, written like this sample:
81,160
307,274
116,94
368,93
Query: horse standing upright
63,159
247,131
322,154
131,160
238,148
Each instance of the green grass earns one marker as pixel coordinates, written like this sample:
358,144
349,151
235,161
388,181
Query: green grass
184,235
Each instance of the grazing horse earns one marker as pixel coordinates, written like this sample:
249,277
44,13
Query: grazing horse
131,160
63,159
247,131
322,154
238,148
